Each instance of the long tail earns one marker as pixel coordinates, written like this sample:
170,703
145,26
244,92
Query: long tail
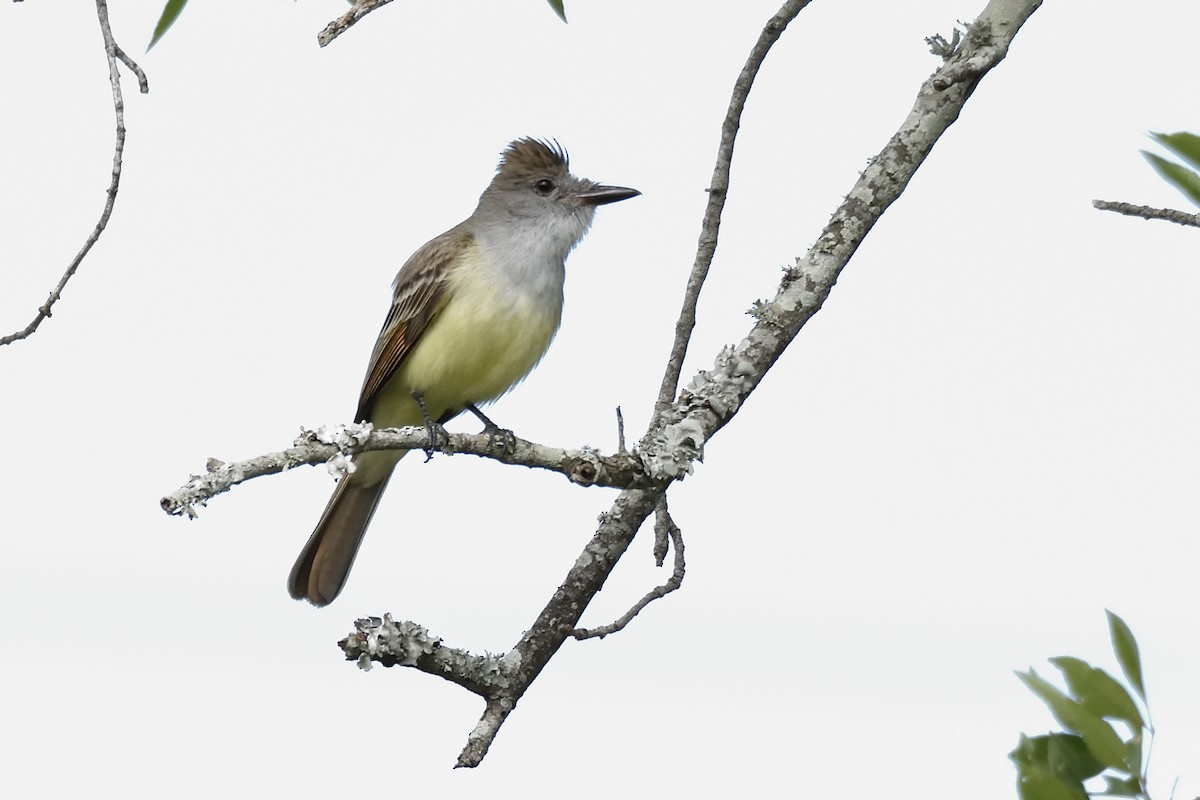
321,570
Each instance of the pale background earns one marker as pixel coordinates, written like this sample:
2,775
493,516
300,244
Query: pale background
989,434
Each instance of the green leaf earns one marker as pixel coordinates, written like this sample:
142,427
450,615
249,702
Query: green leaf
1053,767
1182,144
1126,648
1069,758
1029,751
1063,754
1179,176
557,5
1122,787
170,13
1102,741
1038,784
1098,691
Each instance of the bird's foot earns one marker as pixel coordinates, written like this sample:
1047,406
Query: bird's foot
438,437
501,439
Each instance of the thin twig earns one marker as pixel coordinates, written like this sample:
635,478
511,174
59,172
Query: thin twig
663,525
673,583
346,21
143,82
620,431
1149,212
114,54
718,188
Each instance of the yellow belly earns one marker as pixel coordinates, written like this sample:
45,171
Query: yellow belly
482,344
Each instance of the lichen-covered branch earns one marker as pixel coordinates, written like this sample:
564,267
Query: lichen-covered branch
678,431
114,54
682,426
407,644
333,446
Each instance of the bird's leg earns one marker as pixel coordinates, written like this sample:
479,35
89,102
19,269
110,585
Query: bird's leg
437,434
498,438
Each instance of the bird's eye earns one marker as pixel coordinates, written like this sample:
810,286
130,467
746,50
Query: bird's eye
544,187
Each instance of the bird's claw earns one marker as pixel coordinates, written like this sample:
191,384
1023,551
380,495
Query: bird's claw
500,439
439,438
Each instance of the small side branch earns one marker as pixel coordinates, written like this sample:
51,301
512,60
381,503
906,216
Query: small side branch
718,188
407,644
667,526
1148,212
115,54
343,23
585,466
663,528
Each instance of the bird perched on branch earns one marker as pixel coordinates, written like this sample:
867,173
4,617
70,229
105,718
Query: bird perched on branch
473,312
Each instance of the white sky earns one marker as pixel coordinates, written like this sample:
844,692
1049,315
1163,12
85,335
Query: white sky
987,436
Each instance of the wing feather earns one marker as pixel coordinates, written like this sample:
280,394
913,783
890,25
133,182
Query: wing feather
418,294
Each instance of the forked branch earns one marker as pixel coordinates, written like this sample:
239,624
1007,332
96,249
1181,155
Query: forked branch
680,429
114,53
682,425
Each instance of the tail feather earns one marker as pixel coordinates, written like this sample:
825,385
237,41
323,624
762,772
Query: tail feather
321,570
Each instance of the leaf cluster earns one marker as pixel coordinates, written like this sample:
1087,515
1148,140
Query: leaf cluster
1184,177
1056,766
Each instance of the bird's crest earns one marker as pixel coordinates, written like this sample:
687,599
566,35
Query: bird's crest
529,155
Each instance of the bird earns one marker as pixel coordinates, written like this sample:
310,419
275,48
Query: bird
473,312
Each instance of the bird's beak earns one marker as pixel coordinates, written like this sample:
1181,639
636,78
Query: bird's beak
602,195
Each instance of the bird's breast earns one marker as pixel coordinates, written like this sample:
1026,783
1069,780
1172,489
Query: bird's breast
497,324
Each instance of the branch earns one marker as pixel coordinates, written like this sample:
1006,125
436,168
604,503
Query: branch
680,429
1148,212
718,188
408,644
585,466
115,54
678,432
343,23
664,526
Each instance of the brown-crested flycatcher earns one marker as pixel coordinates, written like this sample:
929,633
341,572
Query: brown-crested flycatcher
473,311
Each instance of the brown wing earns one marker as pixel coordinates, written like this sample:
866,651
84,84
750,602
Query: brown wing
418,294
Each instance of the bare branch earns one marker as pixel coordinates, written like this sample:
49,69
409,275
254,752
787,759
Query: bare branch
1148,212
718,188
123,57
585,466
114,54
343,23
673,583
